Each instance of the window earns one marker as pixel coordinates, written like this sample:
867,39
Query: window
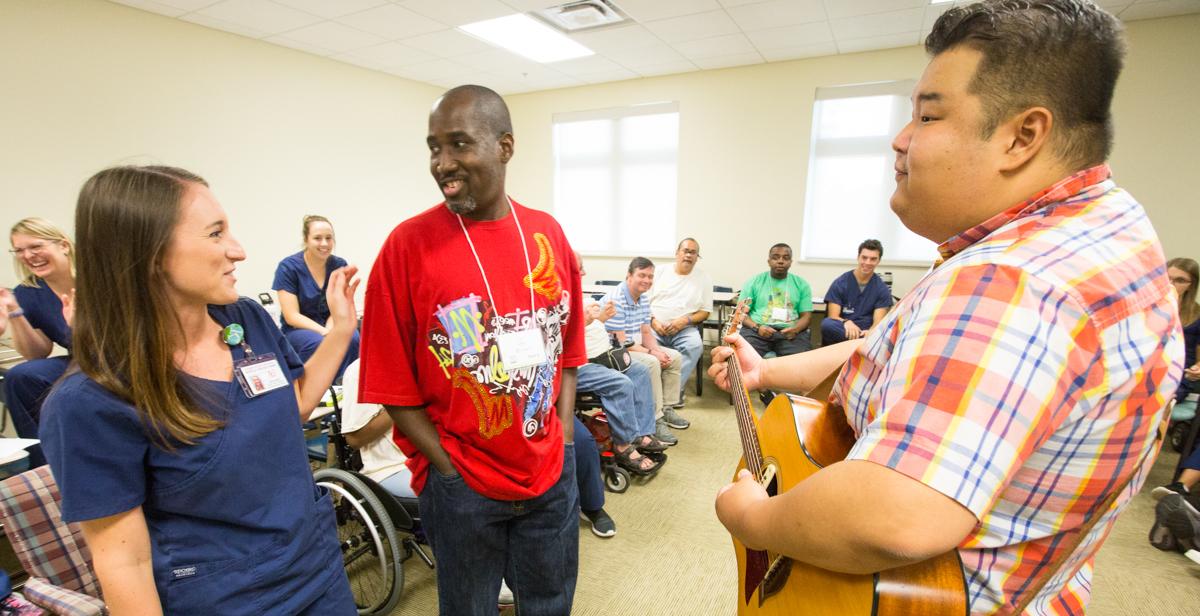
851,174
616,180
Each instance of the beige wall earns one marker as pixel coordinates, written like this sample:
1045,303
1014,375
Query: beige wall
280,133
277,133
744,141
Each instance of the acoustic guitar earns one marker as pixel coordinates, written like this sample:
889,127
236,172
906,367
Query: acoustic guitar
795,438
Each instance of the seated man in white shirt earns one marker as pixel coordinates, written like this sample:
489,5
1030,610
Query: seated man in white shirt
680,300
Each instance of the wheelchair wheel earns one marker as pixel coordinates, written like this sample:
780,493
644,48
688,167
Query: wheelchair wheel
616,479
371,551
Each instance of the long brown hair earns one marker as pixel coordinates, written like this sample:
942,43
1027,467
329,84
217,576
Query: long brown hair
125,332
1189,310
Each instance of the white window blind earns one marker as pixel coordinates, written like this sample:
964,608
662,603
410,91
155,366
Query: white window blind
851,174
616,178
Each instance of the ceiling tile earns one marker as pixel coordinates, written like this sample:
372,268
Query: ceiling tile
878,24
391,22
447,43
777,13
666,68
524,6
732,3
586,65
437,69
740,59
317,50
259,15
888,41
391,55
328,9
727,45
650,10
186,5
837,9
636,58
497,60
692,27
791,36
607,40
802,51
334,36
153,7
1167,8
458,12
613,75
221,24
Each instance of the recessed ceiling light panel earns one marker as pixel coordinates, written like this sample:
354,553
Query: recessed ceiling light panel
527,37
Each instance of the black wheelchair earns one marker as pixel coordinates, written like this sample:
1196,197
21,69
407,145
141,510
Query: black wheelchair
378,531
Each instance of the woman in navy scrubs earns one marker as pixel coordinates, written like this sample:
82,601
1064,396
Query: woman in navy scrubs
45,265
175,435
300,283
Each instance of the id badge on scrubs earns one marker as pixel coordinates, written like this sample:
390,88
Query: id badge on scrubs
521,349
780,315
259,375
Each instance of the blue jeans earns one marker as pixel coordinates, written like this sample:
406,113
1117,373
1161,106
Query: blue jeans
782,346
306,341
690,345
533,544
25,386
627,397
587,469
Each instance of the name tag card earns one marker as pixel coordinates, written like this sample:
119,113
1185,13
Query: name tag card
521,349
779,315
259,375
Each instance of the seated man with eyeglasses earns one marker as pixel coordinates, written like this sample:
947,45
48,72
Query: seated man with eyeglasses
680,300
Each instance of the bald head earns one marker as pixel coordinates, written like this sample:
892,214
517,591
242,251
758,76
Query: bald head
486,107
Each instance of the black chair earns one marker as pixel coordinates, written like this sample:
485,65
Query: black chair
608,283
715,322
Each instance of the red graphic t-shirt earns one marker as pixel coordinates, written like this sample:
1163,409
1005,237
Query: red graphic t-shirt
429,339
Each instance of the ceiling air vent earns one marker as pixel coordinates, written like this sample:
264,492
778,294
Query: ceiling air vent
582,15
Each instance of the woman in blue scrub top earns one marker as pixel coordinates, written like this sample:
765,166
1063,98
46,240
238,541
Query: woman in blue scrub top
300,282
175,435
32,312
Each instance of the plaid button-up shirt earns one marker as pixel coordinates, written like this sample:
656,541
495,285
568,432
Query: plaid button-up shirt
1024,377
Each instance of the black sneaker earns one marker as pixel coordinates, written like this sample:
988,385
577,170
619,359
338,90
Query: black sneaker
1179,516
1171,488
602,524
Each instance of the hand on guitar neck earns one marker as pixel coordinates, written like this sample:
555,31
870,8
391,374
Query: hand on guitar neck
800,373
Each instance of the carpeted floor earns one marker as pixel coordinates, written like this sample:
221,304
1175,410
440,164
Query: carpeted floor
670,555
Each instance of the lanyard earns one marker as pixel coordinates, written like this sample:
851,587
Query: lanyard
521,232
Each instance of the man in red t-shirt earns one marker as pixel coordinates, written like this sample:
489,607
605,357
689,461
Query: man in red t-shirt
472,333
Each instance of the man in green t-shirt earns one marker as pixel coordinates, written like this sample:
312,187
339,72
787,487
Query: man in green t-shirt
780,307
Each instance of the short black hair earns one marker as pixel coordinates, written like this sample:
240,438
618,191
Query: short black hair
490,109
875,245
779,245
639,263
1064,55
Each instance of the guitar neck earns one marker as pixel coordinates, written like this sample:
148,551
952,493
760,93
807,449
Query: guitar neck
747,424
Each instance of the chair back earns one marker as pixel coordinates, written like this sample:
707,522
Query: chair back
46,546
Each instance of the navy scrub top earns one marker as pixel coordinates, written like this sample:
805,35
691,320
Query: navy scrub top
292,275
859,306
237,525
43,310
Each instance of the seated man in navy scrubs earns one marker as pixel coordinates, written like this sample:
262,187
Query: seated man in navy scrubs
302,298
856,300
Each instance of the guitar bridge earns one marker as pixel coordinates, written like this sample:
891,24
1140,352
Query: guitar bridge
775,579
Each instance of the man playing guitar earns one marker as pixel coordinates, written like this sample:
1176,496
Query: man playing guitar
1023,378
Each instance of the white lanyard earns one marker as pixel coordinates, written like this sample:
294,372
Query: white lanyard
524,247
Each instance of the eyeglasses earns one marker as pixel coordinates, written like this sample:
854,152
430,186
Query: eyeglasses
694,253
1181,280
32,249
